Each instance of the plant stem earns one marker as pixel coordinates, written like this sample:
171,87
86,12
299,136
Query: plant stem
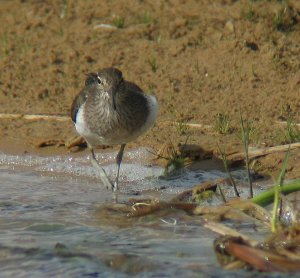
245,137
277,191
274,219
222,194
224,159
267,197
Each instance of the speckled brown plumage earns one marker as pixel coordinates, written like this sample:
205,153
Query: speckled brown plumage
110,110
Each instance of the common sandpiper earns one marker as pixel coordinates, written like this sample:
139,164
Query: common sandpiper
112,111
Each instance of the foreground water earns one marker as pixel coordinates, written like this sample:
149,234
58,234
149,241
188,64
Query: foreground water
51,223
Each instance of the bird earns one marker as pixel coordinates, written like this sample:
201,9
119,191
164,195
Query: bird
112,111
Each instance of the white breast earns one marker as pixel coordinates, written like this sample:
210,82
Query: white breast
83,129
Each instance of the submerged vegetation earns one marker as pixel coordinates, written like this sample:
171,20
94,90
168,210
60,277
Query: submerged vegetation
233,249
175,161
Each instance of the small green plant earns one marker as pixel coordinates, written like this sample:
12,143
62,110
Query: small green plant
286,17
197,67
145,18
201,197
118,22
64,9
173,166
175,161
152,63
4,46
249,13
278,19
276,59
158,39
292,134
254,73
285,111
182,127
222,124
151,87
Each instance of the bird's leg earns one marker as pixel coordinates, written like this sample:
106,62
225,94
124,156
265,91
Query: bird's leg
103,176
119,160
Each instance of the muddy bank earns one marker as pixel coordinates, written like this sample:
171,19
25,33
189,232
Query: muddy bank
204,61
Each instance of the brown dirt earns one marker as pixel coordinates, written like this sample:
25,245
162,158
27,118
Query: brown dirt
201,58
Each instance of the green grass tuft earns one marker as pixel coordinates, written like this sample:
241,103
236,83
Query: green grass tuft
152,63
222,124
246,131
182,127
278,19
292,133
145,18
118,22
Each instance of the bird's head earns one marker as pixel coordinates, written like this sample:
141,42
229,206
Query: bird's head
107,80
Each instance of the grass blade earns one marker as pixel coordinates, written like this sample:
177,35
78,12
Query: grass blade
245,137
222,194
225,162
277,190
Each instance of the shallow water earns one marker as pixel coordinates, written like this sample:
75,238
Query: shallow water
51,223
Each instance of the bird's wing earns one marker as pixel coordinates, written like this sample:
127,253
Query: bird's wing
133,87
78,101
